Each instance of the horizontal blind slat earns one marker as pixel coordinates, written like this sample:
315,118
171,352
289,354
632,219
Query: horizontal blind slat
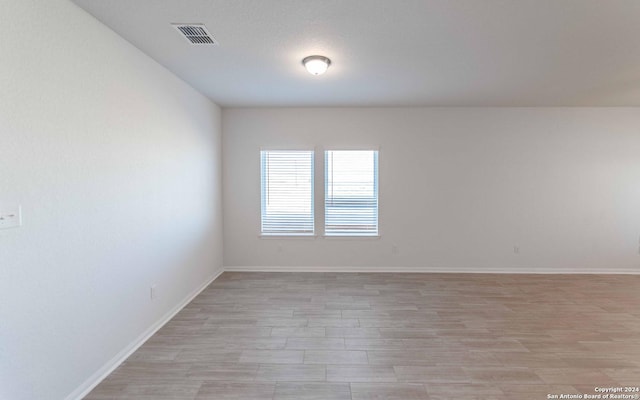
351,193
287,192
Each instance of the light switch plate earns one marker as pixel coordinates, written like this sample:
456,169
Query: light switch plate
10,217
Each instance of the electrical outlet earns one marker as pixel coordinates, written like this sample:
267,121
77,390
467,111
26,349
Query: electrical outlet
516,249
153,292
394,249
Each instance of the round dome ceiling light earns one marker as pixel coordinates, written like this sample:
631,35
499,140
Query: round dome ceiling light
316,65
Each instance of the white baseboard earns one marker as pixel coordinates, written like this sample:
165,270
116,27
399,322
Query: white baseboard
119,358
476,270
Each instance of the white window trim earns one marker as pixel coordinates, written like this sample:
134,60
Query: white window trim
311,235
324,183
318,196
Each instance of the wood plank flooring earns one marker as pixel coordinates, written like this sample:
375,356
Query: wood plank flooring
356,336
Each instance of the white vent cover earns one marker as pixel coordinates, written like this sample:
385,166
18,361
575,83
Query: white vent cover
195,33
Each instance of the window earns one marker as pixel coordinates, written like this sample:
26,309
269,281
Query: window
287,192
351,193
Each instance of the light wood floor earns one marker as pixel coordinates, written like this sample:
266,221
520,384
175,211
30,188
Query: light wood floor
329,336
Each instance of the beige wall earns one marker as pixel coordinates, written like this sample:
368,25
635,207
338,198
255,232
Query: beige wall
116,163
459,188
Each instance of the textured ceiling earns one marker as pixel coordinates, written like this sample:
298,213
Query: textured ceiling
395,53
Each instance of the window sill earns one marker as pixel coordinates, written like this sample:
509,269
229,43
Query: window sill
313,237
281,237
338,237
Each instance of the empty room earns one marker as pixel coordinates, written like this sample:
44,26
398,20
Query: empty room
319,200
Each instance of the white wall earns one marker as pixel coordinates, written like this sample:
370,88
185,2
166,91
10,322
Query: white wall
459,188
116,163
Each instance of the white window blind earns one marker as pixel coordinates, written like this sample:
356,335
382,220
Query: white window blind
351,193
287,192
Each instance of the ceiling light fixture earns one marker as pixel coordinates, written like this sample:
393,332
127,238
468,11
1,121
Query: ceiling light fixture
316,65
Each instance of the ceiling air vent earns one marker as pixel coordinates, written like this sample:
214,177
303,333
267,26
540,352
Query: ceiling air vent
195,33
